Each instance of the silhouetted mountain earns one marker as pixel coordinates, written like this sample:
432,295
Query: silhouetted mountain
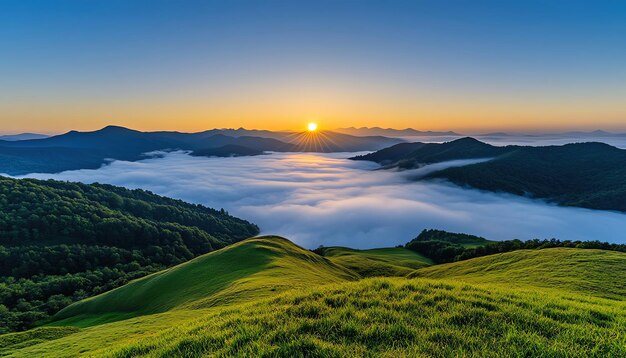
19,161
328,141
413,155
242,132
228,150
590,175
391,132
572,134
22,136
255,143
89,150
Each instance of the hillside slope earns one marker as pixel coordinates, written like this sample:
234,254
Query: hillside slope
244,271
589,175
396,261
599,273
328,314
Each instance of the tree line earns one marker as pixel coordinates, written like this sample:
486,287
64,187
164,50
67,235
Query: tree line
442,246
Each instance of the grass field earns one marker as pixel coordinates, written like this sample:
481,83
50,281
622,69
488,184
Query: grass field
396,261
278,300
593,272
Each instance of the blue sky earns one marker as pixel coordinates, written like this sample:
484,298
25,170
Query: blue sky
427,64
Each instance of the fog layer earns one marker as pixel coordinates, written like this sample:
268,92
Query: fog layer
324,199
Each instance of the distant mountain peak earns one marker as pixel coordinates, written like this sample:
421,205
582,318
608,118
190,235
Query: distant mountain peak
114,128
407,132
467,140
22,136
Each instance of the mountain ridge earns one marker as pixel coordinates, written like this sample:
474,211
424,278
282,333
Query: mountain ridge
90,150
589,174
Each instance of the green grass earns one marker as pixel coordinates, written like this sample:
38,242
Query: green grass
396,261
244,271
591,272
373,317
278,300
12,341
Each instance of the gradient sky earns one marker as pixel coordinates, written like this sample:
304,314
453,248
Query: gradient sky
194,65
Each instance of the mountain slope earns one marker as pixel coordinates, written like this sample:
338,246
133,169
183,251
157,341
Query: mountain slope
414,155
250,269
228,150
589,175
396,261
381,317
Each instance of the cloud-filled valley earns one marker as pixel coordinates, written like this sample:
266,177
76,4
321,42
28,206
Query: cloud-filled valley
325,199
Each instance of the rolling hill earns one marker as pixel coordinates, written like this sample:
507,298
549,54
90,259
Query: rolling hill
589,175
448,311
90,150
248,270
396,261
583,271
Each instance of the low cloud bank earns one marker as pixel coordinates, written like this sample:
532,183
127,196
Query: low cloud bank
324,199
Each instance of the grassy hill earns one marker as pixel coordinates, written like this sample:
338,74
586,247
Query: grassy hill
248,270
550,302
396,261
584,271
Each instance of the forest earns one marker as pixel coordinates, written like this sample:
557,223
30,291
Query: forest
61,242
442,246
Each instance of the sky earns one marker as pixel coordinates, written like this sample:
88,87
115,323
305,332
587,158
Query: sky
194,65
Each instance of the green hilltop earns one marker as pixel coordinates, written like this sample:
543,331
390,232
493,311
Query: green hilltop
244,271
584,271
396,261
266,296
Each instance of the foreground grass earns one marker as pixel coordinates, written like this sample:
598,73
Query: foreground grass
395,261
268,297
377,317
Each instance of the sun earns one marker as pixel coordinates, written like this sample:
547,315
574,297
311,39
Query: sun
312,126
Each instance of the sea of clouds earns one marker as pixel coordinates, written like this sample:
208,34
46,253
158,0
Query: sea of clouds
325,199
